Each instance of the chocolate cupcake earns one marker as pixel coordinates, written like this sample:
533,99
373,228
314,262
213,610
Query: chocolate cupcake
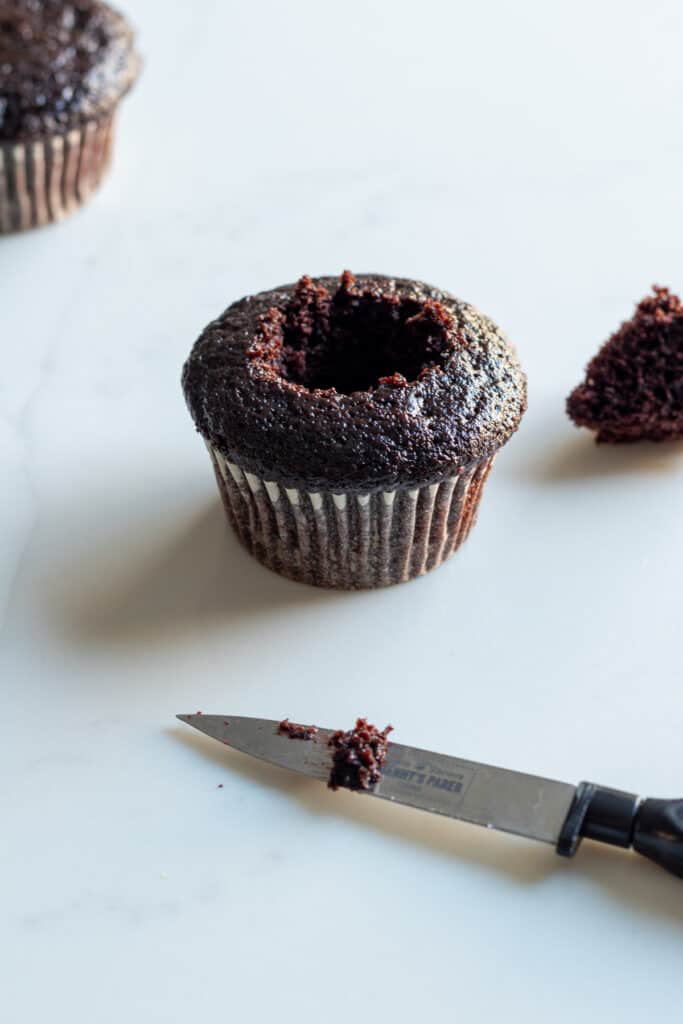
352,424
63,69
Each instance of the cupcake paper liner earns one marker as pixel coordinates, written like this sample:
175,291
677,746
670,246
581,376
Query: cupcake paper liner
46,179
350,541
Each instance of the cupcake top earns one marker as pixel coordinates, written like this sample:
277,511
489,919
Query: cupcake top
61,64
360,384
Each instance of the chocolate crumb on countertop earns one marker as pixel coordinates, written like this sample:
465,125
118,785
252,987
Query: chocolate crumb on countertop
633,389
358,756
296,731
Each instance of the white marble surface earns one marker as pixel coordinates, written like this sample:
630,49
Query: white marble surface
527,156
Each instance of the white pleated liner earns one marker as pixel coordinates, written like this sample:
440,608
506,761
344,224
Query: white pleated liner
350,541
45,180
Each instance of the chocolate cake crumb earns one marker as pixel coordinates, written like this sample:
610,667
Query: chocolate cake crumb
352,339
296,731
358,756
633,389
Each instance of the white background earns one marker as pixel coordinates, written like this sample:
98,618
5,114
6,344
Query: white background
526,156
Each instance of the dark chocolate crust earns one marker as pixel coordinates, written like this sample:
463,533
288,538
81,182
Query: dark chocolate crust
633,389
62,64
466,401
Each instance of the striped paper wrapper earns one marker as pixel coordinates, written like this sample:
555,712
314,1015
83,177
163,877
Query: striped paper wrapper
47,179
350,541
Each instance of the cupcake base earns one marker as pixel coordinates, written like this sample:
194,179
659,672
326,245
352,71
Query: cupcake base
350,541
47,179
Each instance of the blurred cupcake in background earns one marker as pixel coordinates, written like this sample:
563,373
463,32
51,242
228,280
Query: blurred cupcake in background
64,67
352,424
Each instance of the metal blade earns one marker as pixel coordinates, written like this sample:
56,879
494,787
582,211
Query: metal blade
259,737
526,805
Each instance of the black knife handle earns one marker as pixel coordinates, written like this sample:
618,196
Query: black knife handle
653,828
658,834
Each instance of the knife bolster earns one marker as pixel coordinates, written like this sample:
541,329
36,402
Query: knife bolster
606,815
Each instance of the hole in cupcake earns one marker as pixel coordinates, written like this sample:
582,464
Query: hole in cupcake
353,340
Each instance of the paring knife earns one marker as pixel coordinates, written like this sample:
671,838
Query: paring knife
526,805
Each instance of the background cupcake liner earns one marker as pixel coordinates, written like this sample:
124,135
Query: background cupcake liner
44,180
350,541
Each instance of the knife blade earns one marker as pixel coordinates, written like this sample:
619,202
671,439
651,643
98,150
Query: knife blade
526,805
